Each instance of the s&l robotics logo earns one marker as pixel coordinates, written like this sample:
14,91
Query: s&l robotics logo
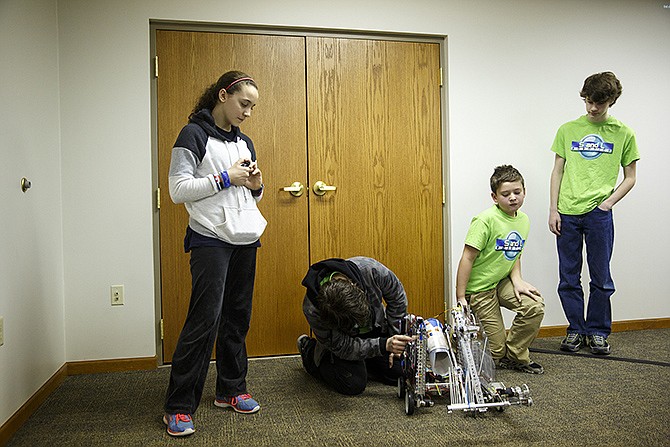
592,146
511,246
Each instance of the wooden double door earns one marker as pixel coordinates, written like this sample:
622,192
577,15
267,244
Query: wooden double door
362,116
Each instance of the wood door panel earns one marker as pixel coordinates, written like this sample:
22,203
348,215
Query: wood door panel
189,62
374,133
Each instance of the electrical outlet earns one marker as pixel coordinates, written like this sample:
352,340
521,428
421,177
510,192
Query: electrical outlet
117,295
2,331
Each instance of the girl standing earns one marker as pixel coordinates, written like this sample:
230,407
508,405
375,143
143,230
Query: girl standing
214,173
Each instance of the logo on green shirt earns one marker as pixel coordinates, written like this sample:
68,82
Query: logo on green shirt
511,246
592,146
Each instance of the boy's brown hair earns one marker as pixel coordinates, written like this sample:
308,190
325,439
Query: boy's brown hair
602,87
505,173
343,305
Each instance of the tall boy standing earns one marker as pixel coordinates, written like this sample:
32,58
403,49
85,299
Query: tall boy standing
489,274
589,152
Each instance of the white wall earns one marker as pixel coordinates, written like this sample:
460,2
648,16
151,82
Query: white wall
31,231
514,72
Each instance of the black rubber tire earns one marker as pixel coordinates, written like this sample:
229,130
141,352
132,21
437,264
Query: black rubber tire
410,403
400,391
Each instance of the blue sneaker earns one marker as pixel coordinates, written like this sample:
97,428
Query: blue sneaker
243,403
179,424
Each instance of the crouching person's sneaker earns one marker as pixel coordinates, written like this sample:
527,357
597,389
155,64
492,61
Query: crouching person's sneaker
598,344
302,343
530,368
243,403
179,424
573,342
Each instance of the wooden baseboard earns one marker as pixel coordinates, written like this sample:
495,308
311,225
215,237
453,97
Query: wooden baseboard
15,422
113,365
617,326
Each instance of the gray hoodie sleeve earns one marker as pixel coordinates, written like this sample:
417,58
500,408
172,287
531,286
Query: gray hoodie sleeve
184,185
394,295
383,285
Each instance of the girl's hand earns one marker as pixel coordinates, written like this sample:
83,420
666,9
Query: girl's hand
255,179
239,172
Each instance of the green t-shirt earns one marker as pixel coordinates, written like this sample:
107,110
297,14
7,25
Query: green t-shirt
500,238
593,153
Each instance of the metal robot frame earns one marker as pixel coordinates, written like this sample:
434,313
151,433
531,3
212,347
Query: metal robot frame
469,380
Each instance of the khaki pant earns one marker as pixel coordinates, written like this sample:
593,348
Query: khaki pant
529,313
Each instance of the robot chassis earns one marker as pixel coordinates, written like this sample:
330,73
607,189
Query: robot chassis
467,370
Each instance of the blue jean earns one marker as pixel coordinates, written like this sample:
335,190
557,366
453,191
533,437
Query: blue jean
219,310
596,229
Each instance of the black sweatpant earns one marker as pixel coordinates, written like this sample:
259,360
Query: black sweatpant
219,310
349,377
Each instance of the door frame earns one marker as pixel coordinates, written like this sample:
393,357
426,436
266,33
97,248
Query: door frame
155,25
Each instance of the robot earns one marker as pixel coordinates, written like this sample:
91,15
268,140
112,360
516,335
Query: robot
453,362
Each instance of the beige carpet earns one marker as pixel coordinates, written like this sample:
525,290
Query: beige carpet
579,401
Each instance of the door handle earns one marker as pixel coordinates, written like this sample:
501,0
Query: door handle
320,188
296,189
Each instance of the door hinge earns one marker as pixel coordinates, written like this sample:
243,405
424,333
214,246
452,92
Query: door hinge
441,77
156,66
158,199
162,333
444,195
